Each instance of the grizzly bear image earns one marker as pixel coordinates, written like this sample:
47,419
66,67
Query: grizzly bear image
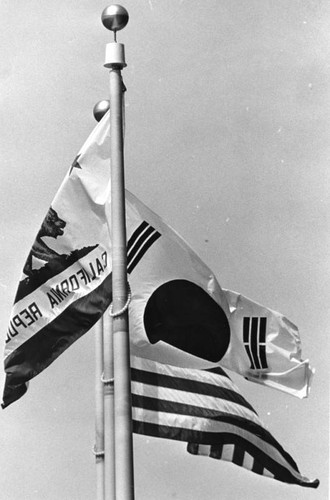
51,263
53,227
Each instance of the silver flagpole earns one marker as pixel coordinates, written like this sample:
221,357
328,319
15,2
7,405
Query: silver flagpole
109,417
106,381
99,411
115,18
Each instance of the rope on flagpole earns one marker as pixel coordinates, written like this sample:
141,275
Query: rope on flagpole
109,381
123,309
98,453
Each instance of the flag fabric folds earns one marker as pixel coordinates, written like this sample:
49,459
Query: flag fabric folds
66,282
272,345
205,409
178,314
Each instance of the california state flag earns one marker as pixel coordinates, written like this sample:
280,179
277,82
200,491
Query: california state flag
66,283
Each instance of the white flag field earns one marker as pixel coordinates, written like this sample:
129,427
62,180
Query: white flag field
180,315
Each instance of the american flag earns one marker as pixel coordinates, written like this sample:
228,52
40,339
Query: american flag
206,410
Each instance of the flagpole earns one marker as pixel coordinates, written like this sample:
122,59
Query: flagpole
109,417
115,18
99,411
105,476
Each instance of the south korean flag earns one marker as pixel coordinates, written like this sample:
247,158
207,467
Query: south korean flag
180,315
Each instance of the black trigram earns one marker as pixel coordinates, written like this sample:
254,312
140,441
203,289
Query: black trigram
140,241
254,338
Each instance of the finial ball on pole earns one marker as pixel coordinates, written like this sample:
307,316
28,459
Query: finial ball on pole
100,109
115,17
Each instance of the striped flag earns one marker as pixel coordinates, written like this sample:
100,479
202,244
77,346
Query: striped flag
205,409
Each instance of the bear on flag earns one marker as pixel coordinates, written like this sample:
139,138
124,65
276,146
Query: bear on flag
66,282
179,314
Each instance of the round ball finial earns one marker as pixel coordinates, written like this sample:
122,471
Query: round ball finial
115,17
100,109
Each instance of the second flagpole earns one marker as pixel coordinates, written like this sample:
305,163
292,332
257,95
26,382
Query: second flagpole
104,443
115,18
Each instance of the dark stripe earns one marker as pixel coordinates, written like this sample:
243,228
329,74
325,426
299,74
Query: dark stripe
246,330
164,406
216,451
262,334
134,247
218,371
187,385
254,342
263,358
238,456
142,251
257,467
193,448
44,347
180,434
136,234
262,340
246,339
248,352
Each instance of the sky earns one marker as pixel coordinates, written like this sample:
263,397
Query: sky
227,139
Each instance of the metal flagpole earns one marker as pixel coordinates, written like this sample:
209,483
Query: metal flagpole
109,436
115,18
104,442
99,412
106,378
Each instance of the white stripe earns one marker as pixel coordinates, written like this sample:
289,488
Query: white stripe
204,450
228,452
267,473
248,461
185,373
193,399
41,299
207,425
